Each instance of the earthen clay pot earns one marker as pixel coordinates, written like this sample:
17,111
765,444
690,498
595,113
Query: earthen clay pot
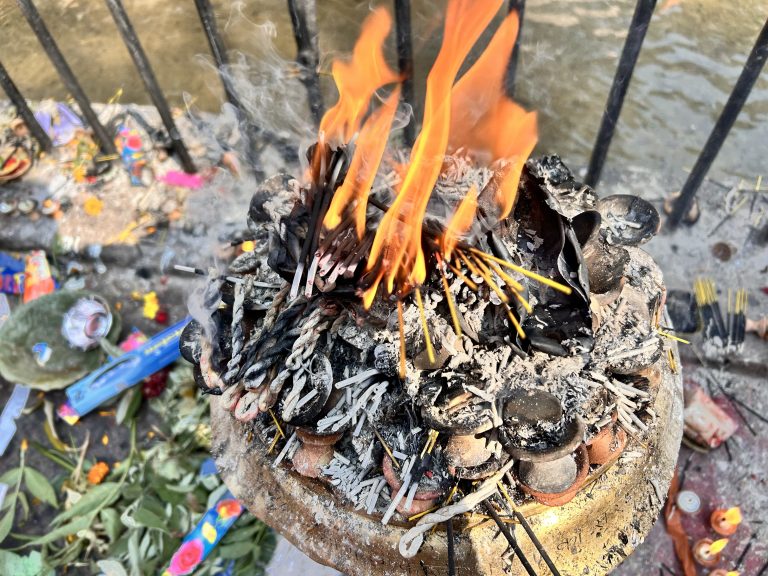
310,437
393,479
607,444
560,498
310,459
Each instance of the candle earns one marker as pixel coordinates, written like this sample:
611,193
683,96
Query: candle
726,522
707,553
688,502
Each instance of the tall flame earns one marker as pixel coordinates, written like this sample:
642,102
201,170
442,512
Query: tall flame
358,79
369,149
461,222
733,515
396,253
486,121
717,546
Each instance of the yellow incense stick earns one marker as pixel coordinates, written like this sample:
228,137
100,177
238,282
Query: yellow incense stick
449,297
538,277
425,327
401,322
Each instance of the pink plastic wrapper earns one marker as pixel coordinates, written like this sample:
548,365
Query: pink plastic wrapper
177,178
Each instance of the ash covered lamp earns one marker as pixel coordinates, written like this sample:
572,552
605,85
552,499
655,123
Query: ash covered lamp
726,521
707,553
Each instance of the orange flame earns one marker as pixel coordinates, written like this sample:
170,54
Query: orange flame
461,222
362,170
717,546
733,516
487,122
358,79
397,244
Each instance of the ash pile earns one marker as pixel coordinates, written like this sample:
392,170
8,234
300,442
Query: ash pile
420,327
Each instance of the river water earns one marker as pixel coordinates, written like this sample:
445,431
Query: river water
693,53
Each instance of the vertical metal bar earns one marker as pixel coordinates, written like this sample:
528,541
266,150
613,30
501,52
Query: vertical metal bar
57,59
509,80
150,82
637,29
9,87
736,100
304,22
218,50
405,62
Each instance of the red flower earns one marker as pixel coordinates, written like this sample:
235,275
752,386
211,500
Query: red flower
187,557
228,508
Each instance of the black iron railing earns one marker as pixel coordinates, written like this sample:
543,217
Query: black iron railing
303,20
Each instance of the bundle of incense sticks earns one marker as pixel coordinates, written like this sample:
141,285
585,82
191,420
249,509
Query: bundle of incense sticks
732,329
738,319
709,308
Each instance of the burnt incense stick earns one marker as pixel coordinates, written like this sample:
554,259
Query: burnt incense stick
668,570
737,565
527,527
736,409
748,409
451,550
510,538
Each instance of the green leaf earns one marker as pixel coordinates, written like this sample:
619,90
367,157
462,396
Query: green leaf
24,505
39,487
111,521
32,565
11,477
236,550
7,523
111,568
73,527
128,406
100,495
149,519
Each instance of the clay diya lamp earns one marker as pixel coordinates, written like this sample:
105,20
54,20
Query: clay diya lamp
552,498
315,452
469,457
553,474
607,444
423,499
707,553
726,522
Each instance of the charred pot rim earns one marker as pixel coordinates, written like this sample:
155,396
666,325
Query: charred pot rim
572,435
558,499
473,416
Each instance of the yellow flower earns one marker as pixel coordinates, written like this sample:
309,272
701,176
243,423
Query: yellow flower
151,305
209,532
93,206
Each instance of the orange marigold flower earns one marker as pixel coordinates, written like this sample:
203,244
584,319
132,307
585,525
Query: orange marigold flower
98,472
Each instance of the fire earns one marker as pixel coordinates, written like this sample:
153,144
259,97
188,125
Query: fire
473,116
359,79
717,546
486,122
362,170
733,516
396,254
461,222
